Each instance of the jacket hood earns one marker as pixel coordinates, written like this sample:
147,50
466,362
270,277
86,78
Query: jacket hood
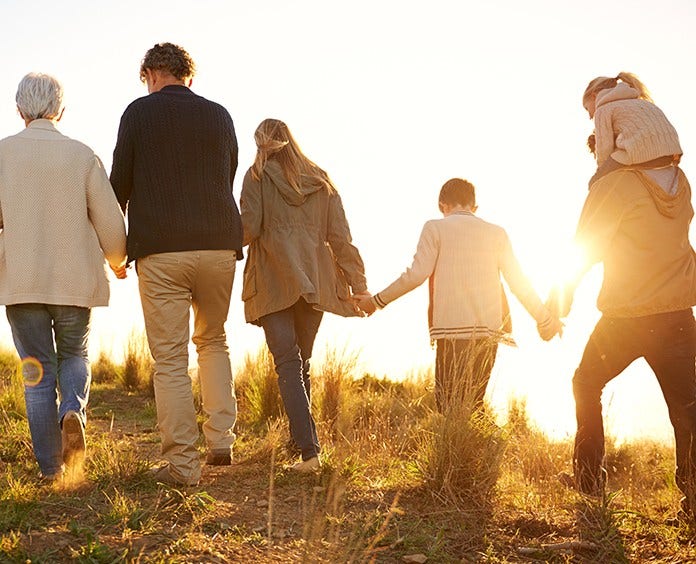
273,174
621,91
668,204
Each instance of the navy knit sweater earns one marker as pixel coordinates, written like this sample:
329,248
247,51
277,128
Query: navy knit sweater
173,169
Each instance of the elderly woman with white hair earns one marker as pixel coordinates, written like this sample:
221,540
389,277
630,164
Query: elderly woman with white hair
59,219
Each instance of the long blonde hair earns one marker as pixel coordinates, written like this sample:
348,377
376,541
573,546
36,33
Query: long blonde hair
275,142
603,82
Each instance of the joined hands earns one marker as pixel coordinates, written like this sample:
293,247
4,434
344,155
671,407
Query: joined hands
363,303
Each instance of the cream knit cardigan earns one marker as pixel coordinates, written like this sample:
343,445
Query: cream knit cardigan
631,130
465,256
59,218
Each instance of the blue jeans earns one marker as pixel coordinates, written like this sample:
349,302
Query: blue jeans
65,367
290,335
667,341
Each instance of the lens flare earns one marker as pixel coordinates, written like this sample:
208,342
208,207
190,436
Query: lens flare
32,371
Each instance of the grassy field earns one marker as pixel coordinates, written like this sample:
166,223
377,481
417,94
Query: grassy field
400,483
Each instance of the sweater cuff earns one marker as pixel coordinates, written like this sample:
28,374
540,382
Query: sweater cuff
379,302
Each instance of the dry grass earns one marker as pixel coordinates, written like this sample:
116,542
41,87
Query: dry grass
138,366
398,479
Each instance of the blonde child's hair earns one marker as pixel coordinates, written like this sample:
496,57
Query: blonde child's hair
274,141
603,82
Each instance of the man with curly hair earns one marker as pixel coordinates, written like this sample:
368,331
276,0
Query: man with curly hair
173,169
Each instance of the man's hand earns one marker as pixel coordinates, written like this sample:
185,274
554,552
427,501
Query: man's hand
550,327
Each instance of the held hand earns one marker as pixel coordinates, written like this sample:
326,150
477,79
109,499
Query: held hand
364,302
550,327
559,302
119,271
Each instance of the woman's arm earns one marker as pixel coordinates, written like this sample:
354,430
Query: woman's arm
339,238
105,215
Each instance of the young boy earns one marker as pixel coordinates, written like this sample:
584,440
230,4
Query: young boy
463,257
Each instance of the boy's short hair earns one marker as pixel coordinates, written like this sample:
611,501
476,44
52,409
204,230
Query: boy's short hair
458,191
171,58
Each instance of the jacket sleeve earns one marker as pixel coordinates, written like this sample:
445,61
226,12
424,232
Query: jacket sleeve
234,161
599,221
339,238
251,204
421,268
519,283
122,164
105,215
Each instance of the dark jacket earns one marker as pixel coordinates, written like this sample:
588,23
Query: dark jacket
299,247
173,169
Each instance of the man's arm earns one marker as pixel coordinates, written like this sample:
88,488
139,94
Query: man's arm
599,220
122,165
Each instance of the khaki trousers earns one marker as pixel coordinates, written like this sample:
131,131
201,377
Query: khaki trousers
170,284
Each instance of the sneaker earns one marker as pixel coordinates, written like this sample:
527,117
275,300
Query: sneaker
681,519
51,478
163,474
307,466
73,440
219,458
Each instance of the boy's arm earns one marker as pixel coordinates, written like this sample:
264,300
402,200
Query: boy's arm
420,270
519,283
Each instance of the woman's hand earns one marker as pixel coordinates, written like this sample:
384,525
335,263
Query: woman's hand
364,302
119,271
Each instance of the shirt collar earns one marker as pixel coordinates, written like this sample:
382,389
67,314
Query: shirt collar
41,123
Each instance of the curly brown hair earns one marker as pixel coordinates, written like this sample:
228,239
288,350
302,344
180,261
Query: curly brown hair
168,57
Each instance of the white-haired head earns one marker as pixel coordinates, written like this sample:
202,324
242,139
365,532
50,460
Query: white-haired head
39,96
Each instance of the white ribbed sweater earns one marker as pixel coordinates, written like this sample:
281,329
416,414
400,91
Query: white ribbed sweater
466,256
57,212
631,130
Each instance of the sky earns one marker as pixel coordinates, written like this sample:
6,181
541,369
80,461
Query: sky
393,98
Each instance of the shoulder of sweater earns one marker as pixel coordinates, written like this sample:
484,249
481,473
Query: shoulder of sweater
77,146
156,98
472,219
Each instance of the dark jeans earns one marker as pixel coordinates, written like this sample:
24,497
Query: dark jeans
290,336
667,341
462,370
51,340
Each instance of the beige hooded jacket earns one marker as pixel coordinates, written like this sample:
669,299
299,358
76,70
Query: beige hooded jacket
299,247
640,233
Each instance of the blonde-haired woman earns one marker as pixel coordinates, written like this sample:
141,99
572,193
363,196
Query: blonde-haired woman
630,131
301,263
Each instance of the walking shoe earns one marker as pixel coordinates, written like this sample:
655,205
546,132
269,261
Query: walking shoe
218,458
569,481
73,440
51,478
307,466
685,516
163,474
